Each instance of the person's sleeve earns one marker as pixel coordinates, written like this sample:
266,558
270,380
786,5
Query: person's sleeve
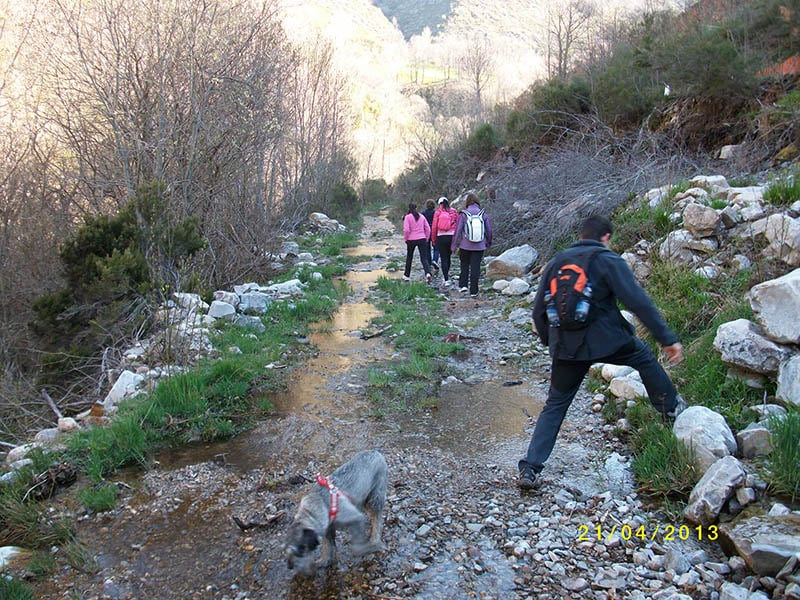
539,313
624,285
488,230
427,229
435,227
405,229
457,236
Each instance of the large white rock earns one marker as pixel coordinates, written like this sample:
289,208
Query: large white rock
701,221
783,233
710,182
707,433
789,381
231,298
514,262
292,287
516,287
127,385
681,247
221,310
627,388
776,305
7,554
743,344
254,303
713,490
752,195
190,302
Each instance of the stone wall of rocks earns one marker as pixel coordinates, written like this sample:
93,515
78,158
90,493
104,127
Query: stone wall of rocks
712,220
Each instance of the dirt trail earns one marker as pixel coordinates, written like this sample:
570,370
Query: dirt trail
456,526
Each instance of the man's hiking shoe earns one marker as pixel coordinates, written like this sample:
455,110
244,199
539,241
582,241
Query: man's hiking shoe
464,290
680,406
406,278
435,266
528,480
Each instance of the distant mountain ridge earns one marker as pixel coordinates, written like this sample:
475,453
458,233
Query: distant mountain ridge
413,16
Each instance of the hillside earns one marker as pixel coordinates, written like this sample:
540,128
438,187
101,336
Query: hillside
413,17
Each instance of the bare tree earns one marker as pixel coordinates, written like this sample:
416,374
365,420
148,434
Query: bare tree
316,154
476,64
202,96
567,26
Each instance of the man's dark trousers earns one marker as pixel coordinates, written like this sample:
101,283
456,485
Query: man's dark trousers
565,379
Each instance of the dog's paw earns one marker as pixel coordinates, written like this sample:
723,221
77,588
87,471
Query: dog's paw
368,548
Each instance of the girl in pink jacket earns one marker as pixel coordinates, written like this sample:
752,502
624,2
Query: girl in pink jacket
416,232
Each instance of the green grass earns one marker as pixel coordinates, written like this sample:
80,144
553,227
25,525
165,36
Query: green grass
783,191
640,221
662,465
691,303
24,523
413,311
13,589
782,469
328,245
42,563
100,497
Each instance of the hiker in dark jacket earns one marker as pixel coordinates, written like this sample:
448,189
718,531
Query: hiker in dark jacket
607,338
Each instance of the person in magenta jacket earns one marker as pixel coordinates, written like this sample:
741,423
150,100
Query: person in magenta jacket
470,254
445,220
416,233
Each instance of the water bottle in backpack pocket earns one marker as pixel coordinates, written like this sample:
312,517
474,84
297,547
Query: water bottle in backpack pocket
569,293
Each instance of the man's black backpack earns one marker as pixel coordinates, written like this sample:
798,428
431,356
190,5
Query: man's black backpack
568,296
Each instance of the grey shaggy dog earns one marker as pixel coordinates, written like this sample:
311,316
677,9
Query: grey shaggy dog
361,483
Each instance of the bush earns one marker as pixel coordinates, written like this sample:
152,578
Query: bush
100,497
112,264
423,180
12,589
341,202
624,92
662,465
705,62
374,191
483,142
547,109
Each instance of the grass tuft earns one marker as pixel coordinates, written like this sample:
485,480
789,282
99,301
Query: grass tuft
662,465
99,498
783,191
641,221
783,465
13,589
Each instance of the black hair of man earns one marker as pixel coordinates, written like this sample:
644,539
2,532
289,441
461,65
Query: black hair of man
595,227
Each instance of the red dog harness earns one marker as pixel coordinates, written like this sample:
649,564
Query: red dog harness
335,493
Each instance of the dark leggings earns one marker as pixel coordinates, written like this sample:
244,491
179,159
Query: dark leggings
443,244
423,255
470,269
